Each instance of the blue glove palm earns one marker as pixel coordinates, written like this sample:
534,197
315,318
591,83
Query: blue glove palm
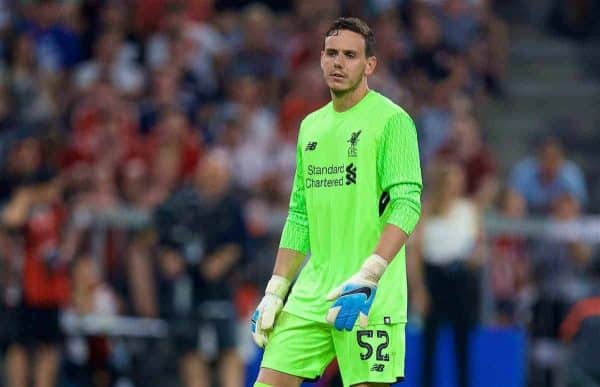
353,298
353,301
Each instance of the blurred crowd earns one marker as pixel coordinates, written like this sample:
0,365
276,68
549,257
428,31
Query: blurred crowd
175,123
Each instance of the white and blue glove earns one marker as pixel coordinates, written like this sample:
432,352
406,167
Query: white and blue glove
353,299
263,318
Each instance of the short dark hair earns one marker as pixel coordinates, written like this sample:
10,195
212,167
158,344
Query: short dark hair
354,24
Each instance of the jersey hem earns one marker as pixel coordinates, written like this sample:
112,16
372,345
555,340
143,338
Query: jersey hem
321,319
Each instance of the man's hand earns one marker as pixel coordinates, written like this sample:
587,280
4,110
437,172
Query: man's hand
215,266
353,299
263,318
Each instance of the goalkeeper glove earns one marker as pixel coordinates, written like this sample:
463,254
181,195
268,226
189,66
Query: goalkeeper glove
266,312
353,299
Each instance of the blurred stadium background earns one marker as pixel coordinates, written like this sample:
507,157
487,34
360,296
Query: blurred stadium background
146,155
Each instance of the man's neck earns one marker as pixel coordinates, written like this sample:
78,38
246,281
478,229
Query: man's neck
345,101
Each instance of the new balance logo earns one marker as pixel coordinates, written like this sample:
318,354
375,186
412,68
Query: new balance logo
311,146
350,174
378,367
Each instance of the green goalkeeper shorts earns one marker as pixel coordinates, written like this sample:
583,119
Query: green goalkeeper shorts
304,348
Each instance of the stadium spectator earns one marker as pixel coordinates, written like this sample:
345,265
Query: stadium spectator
202,234
459,23
37,211
510,275
257,57
254,149
111,63
394,44
194,49
174,132
467,148
560,269
447,254
89,358
494,42
103,129
437,75
546,177
34,93
57,45
562,276
165,92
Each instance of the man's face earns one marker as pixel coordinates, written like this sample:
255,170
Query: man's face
213,176
343,61
550,159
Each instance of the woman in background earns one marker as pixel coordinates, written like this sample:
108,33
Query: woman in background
446,257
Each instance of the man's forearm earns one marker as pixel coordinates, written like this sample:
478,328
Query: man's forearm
14,215
221,261
391,241
287,263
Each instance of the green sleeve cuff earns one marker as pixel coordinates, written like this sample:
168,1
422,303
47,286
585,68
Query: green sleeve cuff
295,237
405,217
405,206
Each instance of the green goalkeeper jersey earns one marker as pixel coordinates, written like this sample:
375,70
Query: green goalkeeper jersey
356,171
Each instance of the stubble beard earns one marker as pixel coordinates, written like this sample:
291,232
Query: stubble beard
342,92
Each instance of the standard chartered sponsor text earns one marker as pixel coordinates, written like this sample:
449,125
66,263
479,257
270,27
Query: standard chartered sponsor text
325,182
329,176
325,170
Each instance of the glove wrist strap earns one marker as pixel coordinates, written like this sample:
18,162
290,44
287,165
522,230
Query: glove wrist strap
373,268
278,286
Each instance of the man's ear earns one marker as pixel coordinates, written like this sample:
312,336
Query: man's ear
371,64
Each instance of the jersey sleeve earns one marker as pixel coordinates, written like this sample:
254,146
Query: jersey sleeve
295,230
399,171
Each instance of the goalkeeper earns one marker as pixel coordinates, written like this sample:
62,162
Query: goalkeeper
355,200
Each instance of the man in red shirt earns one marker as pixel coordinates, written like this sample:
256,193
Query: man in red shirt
38,214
